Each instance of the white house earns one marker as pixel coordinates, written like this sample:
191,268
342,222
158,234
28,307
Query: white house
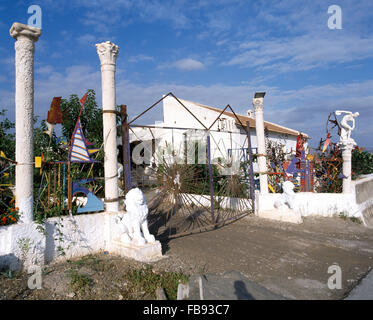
184,125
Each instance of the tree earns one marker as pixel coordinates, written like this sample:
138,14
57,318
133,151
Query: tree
7,141
362,162
45,144
91,118
7,145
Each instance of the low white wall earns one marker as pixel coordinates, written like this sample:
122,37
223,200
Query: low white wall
318,204
71,236
15,237
238,204
363,190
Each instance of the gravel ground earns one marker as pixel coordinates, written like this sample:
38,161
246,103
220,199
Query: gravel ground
290,260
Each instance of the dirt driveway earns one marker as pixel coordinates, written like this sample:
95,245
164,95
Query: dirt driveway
290,260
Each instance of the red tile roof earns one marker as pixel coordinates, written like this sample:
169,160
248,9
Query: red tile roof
268,125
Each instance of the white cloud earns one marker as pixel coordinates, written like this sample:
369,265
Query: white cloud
303,52
87,39
187,64
139,58
305,109
44,70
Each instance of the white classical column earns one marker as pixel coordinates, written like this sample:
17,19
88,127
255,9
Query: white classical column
24,106
262,160
346,144
346,148
108,52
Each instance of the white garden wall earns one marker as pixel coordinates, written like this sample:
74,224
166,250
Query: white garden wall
358,204
363,190
316,204
74,236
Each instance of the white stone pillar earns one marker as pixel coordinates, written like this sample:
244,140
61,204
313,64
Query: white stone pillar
346,144
24,106
262,160
346,148
108,52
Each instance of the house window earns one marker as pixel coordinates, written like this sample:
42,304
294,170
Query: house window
242,153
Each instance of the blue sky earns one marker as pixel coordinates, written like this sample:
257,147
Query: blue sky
213,52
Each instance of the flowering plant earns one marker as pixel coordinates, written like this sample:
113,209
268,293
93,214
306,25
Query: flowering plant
9,216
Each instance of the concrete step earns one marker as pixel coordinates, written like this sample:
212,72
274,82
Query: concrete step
228,286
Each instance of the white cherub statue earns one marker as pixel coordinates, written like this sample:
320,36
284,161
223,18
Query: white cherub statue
135,219
346,129
287,199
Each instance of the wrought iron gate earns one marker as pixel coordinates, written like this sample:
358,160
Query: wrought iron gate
187,186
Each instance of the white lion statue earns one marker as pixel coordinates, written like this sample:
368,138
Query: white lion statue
287,199
135,219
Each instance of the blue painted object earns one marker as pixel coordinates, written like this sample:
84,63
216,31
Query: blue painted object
292,166
93,204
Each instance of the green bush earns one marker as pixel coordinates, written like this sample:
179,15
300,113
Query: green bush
362,162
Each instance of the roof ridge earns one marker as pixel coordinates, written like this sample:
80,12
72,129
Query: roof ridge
290,131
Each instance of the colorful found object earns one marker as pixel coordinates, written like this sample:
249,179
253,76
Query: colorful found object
54,115
50,127
78,150
93,203
2,155
62,143
271,188
82,100
5,175
342,176
37,162
327,142
292,167
78,144
54,178
306,176
300,152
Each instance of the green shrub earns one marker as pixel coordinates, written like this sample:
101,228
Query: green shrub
362,162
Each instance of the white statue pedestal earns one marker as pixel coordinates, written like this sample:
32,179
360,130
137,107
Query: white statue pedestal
284,215
148,252
347,146
284,206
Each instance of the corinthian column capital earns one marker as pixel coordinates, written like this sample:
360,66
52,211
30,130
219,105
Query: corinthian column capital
258,104
107,52
22,31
